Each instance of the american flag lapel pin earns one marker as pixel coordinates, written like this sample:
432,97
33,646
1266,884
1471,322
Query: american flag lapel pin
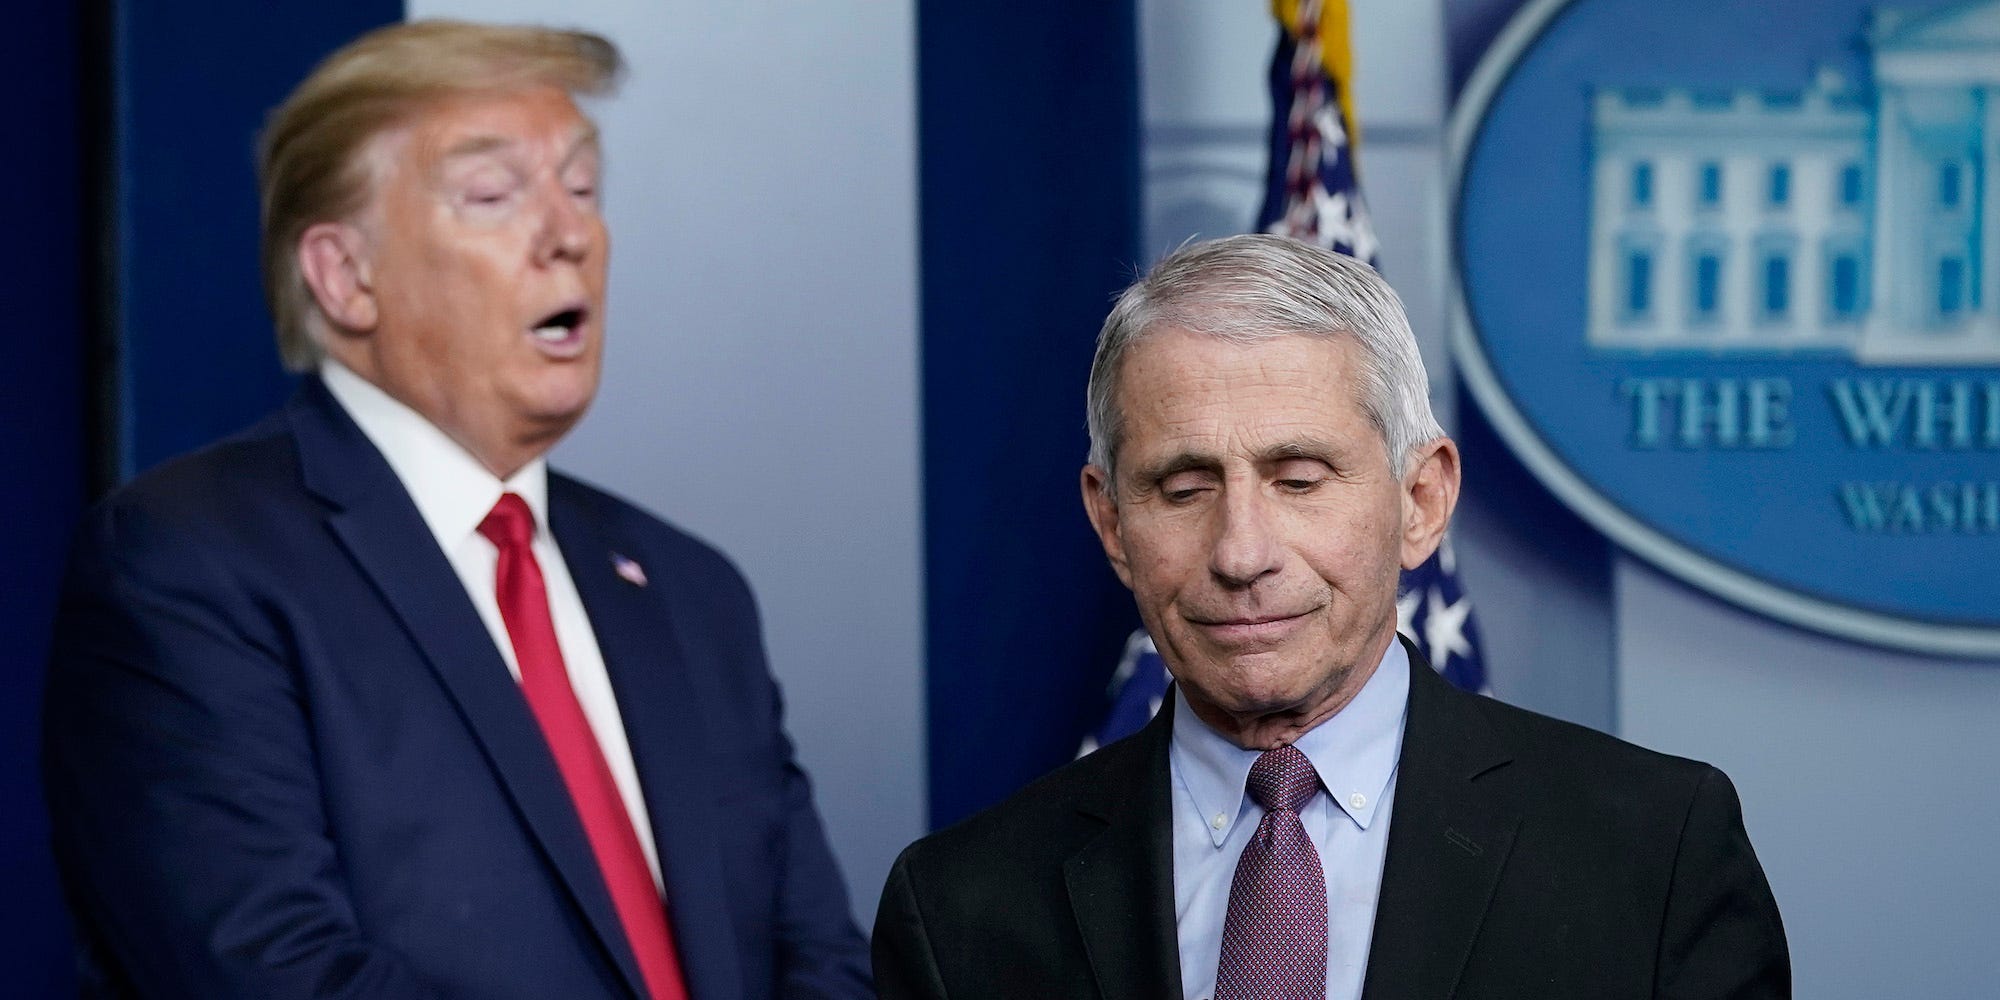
631,571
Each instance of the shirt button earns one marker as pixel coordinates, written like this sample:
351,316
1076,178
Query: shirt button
1218,821
1358,800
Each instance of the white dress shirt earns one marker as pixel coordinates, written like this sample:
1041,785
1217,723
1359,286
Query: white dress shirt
454,493
1355,753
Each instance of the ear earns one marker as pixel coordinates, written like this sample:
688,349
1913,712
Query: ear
333,259
1103,510
1430,492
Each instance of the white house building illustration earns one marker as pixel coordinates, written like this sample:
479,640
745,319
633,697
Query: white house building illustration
1854,217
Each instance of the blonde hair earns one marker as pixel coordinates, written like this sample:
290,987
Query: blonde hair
310,167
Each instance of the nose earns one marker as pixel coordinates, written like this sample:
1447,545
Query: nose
1247,544
569,226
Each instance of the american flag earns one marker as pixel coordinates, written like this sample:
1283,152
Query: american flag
1314,194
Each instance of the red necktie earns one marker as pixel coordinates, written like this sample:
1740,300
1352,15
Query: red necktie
524,606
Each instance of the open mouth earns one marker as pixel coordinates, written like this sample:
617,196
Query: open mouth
560,327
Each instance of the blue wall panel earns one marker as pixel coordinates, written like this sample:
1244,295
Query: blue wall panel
1029,176
193,83
42,455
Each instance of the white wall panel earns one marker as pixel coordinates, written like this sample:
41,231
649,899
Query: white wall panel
1868,781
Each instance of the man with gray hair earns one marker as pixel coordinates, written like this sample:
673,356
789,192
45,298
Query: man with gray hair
367,701
1314,813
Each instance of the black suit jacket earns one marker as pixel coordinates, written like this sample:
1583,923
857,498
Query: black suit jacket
1527,858
284,758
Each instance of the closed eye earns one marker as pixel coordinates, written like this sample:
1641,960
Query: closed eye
483,182
493,192
1185,487
1300,474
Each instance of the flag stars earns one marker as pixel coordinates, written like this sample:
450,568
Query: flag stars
1327,121
1444,627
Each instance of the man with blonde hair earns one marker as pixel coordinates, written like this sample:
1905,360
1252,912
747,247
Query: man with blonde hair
367,701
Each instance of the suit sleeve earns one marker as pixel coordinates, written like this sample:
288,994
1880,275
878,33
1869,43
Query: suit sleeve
821,955
905,968
183,794
1722,937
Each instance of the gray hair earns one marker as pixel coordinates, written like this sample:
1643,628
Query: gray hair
1245,289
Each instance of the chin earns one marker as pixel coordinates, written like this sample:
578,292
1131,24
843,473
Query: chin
1251,687
1306,685
560,397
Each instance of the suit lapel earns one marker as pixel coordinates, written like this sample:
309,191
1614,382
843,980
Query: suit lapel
663,724
1121,883
379,525
1448,840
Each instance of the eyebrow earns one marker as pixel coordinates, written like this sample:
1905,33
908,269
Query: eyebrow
585,138
1310,448
477,145
1186,461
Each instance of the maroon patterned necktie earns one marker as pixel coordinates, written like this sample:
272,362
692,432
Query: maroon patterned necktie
1274,938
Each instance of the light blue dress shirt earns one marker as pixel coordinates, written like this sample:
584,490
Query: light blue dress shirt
1355,753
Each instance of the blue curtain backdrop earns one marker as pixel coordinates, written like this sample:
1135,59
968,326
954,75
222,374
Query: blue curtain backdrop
42,415
133,274
193,82
1029,175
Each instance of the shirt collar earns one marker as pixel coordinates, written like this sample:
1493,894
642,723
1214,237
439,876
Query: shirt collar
451,489
1355,752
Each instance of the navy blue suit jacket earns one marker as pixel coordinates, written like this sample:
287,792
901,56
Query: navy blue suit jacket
284,758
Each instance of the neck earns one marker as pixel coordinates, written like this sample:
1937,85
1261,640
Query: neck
503,462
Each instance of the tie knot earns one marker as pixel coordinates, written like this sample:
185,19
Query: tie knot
1283,779
510,524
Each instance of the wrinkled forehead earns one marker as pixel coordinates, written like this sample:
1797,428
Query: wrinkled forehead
1178,350
1173,365
1180,389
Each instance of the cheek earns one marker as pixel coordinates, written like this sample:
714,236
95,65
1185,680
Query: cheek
1161,551
1359,518
1153,574
601,239
1351,552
